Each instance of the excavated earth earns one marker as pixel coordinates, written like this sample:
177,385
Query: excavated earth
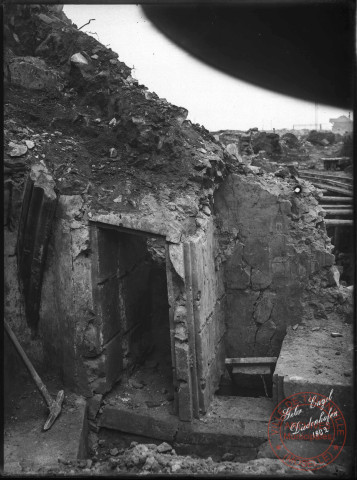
104,137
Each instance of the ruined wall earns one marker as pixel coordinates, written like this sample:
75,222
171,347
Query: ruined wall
272,241
14,308
121,156
67,303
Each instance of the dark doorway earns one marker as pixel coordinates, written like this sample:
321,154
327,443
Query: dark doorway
134,306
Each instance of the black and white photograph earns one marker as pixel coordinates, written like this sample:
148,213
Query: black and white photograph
179,239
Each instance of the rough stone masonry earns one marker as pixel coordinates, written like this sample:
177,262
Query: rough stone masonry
88,152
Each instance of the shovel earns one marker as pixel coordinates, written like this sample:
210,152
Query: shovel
54,406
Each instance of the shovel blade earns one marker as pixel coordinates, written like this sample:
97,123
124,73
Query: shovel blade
55,410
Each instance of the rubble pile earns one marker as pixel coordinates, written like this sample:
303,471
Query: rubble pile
321,138
269,142
124,129
303,146
154,459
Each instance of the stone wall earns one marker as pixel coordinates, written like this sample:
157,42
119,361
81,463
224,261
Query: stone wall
67,310
271,242
14,307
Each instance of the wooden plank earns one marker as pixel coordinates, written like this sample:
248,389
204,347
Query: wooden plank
246,369
250,360
335,207
336,211
328,181
336,199
330,159
338,223
331,188
192,338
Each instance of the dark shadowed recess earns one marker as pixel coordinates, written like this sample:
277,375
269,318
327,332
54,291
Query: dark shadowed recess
303,49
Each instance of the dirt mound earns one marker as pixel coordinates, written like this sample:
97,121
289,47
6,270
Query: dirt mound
269,142
111,127
291,140
321,138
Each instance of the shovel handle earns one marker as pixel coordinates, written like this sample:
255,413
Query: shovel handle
39,383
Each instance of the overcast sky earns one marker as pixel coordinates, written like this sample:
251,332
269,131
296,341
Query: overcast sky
213,99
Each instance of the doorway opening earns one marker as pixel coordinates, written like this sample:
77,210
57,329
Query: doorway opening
133,298
342,239
248,377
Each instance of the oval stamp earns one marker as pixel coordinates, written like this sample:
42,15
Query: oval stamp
307,431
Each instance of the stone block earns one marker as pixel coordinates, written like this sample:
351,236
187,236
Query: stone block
257,254
180,314
240,341
264,306
260,279
333,277
91,342
69,207
237,276
240,308
32,73
265,333
159,426
226,431
95,367
94,405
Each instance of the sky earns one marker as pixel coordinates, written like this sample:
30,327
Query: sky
214,99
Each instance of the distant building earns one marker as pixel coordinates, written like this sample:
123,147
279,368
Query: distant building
341,124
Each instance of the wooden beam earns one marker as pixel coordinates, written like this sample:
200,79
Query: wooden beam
335,207
246,369
336,211
250,360
333,222
336,199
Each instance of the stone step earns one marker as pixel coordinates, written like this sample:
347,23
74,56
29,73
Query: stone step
324,363
229,421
